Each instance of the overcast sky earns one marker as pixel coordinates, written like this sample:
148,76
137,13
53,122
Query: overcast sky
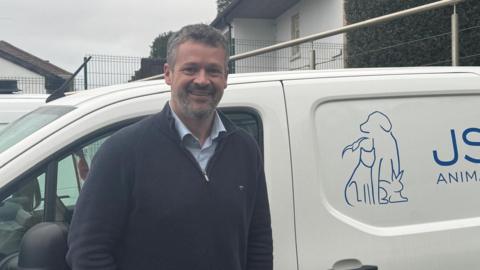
64,31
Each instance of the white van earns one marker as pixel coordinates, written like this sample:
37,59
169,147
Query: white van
13,106
372,167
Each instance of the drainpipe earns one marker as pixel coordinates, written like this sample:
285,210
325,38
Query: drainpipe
230,48
455,38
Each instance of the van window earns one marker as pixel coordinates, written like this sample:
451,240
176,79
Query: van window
73,171
22,209
248,120
29,203
29,123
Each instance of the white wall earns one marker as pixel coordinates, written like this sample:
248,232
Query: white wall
9,69
321,15
251,34
256,29
315,16
27,79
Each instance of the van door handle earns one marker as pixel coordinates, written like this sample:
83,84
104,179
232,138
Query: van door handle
367,267
352,264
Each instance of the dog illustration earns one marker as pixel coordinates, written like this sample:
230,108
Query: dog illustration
377,177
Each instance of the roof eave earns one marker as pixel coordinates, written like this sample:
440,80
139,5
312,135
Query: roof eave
220,22
244,9
31,67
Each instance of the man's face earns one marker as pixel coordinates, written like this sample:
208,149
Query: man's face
197,80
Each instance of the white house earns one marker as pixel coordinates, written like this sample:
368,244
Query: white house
252,24
32,74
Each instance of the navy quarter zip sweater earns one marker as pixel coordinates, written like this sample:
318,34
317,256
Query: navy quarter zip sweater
147,205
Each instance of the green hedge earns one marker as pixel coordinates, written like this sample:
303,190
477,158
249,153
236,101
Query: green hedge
364,46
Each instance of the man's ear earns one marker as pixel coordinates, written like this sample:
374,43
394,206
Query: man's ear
168,73
226,78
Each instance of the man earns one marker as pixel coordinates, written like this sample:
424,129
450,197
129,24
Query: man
183,189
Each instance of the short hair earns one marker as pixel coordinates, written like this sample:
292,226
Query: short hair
200,33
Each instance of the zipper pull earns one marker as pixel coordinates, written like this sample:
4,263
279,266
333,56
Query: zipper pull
206,176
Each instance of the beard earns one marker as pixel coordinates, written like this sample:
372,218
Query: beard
198,90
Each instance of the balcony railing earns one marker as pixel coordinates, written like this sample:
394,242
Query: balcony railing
327,56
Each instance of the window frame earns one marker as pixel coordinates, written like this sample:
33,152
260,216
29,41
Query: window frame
49,167
51,176
250,111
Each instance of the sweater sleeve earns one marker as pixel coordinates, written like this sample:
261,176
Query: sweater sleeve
260,248
101,210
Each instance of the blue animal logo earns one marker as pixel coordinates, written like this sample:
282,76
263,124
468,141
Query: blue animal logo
377,177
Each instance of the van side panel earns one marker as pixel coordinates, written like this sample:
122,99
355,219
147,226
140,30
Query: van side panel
386,170
267,100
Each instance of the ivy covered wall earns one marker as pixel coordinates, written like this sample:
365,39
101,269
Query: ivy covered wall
416,40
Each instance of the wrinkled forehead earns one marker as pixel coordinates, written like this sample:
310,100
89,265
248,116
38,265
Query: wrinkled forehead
215,45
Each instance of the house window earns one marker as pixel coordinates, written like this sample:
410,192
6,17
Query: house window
295,23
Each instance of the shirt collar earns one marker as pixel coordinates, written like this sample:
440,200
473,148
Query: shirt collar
183,130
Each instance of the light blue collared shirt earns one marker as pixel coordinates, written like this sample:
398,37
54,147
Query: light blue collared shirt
201,153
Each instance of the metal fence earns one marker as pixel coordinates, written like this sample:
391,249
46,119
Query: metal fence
36,85
327,56
472,55
332,56
101,70
28,85
104,70
432,46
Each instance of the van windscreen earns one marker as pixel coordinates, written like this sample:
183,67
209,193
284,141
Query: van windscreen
29,123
